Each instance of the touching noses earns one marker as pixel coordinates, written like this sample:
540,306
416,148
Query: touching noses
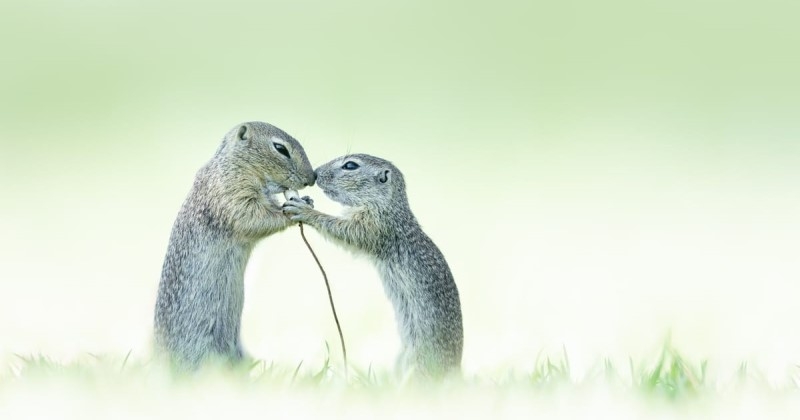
313,179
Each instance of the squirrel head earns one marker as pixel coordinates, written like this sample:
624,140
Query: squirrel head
266,153
362,180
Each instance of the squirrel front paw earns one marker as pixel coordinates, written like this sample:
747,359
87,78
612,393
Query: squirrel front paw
298,209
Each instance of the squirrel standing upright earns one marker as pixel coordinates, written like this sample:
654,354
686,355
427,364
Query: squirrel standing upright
415,275
230,207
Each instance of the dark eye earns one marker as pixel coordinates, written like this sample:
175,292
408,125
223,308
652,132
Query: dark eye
281,149
350,166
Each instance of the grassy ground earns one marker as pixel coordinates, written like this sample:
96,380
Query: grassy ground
120,387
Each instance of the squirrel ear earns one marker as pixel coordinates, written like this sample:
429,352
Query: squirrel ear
383,176
243,132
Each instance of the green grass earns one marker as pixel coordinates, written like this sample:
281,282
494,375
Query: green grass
670,376
103,385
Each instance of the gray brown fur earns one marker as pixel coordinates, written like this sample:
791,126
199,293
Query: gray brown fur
228,210
415,275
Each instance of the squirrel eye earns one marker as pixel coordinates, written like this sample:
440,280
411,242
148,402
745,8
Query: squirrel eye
281,149
350,166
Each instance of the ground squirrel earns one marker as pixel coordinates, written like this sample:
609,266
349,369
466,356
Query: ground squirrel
378,222
230,207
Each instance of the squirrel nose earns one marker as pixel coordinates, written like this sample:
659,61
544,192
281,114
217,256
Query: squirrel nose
313,179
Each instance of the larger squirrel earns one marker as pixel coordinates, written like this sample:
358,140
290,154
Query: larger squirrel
231,206
379,223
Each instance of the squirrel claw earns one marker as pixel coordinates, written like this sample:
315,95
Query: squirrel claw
295,207
305,202
308,200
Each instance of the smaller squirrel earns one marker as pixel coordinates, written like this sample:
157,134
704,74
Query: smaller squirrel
416,278
230,207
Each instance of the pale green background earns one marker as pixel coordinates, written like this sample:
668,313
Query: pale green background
597,173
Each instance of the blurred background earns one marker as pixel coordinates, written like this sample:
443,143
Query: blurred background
599,175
